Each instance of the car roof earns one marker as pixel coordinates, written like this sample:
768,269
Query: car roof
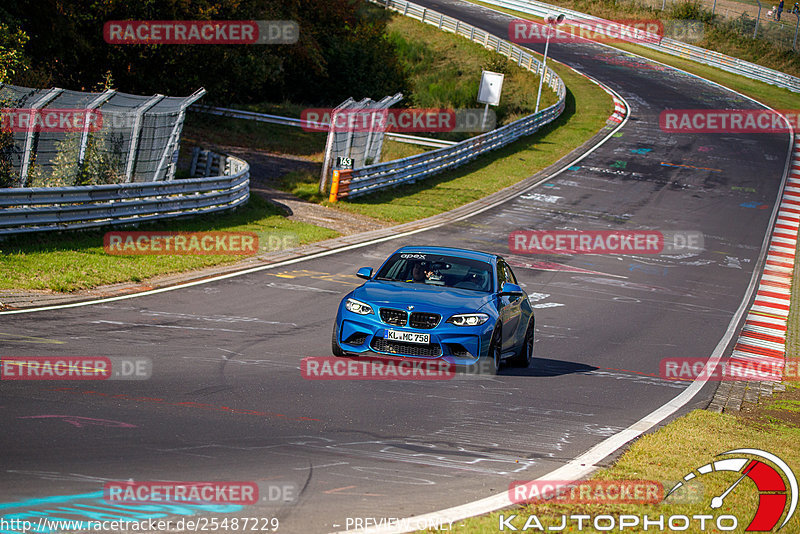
459,252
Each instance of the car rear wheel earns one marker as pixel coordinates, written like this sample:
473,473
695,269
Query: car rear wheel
524,358
335,348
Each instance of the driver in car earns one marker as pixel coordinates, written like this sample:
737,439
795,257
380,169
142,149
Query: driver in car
418,273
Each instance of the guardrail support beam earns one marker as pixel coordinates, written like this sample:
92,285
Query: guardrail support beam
136,130
172,142
26,153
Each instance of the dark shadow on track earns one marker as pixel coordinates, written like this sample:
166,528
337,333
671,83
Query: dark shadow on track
545,367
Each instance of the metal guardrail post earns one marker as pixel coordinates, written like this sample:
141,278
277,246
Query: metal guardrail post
758,19
195,157
136,130
26,154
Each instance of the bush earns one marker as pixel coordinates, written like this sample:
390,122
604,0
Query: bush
690,10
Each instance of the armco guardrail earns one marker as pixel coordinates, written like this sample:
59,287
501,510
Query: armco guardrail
668,46
37,209
408,170
289,121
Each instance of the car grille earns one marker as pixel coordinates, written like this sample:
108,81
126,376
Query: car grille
407,349
395,317
357,339
457,349
424,320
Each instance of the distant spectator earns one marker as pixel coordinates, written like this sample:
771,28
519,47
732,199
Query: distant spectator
796,8
780,9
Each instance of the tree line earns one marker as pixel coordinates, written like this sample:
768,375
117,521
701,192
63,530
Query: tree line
342,51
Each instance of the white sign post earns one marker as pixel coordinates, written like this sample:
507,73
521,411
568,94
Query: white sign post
489,91
552,21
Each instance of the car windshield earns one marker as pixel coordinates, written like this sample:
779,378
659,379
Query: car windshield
438,270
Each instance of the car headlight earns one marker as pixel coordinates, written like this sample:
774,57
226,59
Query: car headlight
358,307
468,319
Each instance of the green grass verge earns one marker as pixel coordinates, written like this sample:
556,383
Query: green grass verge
71,261
666,456
445,71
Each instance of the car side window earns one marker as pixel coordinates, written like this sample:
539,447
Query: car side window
501,275
510,274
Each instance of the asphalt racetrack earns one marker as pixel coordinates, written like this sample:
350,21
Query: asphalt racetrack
226,400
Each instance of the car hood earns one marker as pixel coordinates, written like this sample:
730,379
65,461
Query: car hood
422,297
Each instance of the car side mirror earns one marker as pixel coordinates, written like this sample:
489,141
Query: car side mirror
365,273
512,290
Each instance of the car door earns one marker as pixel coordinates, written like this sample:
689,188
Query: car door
510,309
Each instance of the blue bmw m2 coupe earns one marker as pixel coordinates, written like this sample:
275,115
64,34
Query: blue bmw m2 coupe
460,306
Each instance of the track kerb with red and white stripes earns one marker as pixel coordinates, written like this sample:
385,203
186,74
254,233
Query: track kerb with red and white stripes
763,337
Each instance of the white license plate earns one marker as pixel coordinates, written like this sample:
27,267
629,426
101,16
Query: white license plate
408,337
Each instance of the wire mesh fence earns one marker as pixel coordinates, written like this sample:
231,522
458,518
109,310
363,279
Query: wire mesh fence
60,138
747,18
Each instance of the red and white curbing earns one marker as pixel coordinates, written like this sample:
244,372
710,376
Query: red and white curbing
763,337
620,110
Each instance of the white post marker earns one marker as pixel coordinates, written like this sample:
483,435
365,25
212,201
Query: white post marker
489,91
552,21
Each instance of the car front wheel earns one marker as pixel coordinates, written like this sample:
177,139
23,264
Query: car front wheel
335,348
495,352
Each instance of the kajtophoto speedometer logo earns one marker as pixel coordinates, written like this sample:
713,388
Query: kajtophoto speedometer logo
748,483
775,481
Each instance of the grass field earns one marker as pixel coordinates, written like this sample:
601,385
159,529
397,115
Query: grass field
77,260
